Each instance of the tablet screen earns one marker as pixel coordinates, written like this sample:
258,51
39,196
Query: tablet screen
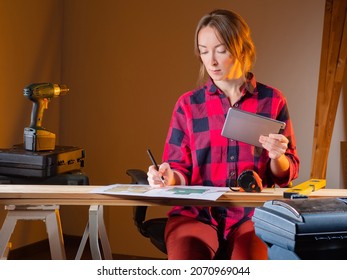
247,127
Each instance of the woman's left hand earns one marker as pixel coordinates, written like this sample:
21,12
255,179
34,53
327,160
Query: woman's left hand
275,144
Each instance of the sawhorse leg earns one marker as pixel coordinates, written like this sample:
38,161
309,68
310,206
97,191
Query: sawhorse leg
48,214
95,229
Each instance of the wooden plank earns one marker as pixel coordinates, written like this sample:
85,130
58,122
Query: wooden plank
332,68
81,195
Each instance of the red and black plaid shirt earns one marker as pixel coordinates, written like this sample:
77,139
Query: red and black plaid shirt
195,147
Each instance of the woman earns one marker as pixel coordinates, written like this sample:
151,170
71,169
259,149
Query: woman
196,154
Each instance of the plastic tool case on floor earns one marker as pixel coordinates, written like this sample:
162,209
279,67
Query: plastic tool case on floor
20,162
303,228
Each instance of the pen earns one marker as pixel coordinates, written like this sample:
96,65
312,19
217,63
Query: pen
154,163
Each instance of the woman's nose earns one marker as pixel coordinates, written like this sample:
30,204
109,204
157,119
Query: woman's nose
213,60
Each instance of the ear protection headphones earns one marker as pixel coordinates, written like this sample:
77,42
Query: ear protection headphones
249,181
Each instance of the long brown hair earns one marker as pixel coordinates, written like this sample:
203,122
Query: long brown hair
234,32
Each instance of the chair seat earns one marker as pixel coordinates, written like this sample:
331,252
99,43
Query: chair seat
155,229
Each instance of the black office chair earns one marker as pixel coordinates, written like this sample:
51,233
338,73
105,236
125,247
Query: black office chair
152,228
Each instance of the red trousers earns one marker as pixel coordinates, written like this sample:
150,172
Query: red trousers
189,239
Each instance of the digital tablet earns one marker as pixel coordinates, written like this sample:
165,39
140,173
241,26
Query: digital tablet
247,127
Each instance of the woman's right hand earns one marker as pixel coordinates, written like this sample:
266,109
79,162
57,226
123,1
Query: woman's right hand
155,177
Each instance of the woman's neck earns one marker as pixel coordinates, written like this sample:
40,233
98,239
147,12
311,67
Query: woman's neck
231,88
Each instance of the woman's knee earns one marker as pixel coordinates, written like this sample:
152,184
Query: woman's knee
247,245
187,238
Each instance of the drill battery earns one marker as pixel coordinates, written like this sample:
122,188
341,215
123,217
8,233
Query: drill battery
20,162
38,139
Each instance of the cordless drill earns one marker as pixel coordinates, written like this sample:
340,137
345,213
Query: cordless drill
36,137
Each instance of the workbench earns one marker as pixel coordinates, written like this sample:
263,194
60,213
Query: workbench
37,197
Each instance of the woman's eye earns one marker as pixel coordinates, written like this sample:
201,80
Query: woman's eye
203,52
222,51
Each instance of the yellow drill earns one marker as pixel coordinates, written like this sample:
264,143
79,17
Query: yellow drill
36,137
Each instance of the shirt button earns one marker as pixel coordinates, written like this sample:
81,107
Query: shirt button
232,174
236,105
232,158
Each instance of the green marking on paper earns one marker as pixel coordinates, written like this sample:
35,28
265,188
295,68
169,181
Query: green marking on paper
186,191
132,189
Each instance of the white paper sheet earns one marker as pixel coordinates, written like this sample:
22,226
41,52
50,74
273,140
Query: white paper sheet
189,192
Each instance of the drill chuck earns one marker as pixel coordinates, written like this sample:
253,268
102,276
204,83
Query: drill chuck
44,90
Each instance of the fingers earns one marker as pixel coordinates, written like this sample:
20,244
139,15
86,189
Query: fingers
275,144
153,177
157,178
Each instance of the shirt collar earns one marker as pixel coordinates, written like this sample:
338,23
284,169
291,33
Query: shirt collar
249,85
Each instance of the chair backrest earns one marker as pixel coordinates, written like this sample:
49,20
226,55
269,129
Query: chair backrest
138,176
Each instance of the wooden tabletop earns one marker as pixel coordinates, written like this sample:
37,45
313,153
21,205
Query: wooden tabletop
82,195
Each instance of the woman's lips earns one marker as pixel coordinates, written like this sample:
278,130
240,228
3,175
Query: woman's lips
215,71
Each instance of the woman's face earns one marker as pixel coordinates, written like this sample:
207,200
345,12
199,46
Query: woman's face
218,62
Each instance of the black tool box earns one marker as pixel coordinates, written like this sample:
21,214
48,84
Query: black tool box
69,178
303,228
20,162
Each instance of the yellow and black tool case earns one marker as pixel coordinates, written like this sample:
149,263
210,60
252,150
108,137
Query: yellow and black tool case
303,228
20,162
